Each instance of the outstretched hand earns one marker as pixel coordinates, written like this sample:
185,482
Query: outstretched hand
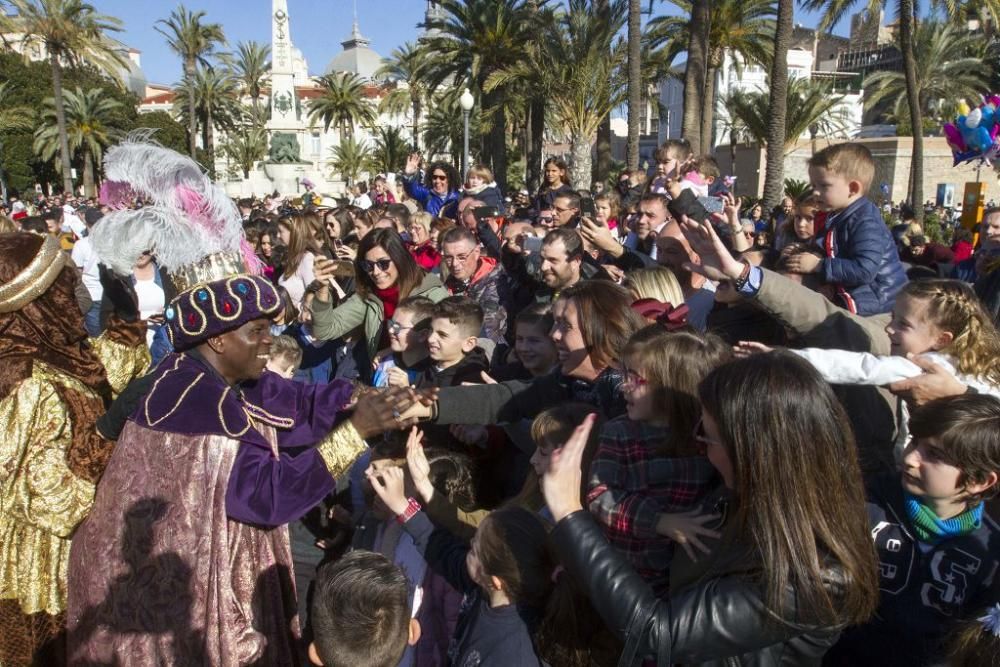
420,469
562,481
716,262
935,382
745,348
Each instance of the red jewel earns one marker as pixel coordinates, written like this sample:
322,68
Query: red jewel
192,319
227,307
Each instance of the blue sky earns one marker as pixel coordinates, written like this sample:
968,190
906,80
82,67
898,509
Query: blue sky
318,26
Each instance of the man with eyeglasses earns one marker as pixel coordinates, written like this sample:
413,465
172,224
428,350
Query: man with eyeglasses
480,278
566,210
439,194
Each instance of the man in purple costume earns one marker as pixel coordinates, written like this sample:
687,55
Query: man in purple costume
185,557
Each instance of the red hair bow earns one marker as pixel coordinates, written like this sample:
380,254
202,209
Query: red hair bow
665,314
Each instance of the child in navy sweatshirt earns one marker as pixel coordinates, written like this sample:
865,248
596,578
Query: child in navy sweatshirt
936,546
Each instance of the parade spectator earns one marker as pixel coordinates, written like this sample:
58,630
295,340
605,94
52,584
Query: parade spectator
439,195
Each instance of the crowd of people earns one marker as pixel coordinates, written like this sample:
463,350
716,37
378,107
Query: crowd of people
432,424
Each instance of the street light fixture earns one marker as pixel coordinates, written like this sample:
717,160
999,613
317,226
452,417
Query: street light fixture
466,101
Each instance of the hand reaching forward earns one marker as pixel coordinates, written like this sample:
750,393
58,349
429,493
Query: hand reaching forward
562,481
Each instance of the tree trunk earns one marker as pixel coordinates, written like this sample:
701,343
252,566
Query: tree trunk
579,168
694,74
774,175
57,95
906,26
416,124
732,159
536,146
497,140
192,118
634,82
210,142
602,168
89,188
708,112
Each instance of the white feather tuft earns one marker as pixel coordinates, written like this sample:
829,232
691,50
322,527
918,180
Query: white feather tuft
178,231
122,236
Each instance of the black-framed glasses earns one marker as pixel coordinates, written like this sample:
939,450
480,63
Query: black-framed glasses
439,177
382,264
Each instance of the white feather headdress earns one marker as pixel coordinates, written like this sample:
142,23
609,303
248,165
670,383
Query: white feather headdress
185,218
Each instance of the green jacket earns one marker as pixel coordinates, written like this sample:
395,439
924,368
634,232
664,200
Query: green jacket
364,314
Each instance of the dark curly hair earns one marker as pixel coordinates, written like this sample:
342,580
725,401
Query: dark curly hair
454,183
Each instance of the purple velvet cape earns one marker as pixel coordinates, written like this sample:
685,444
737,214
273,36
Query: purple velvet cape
265,489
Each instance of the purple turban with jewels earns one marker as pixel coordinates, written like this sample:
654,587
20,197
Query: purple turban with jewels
215,307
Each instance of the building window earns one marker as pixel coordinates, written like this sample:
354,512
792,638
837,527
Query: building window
316,144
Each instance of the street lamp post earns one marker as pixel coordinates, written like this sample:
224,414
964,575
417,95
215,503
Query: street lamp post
466,101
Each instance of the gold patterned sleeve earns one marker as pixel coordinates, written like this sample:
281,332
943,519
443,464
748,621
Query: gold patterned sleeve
341,448
38,488
122,362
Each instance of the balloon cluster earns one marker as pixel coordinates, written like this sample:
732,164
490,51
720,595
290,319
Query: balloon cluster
975,134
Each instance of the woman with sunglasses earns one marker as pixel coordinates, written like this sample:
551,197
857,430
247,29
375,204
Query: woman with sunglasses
439,195
385,274
794,563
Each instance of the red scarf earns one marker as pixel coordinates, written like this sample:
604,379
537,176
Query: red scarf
390,299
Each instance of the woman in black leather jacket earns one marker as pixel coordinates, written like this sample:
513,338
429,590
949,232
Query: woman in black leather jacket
794,563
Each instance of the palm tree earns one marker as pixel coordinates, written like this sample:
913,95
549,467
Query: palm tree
194,41
214,94
72,32
474,39
350,158
906,12
245,146
87,116
405,65
442,127
695,73
251,67
12,119
949,67
587,81
390,150
342,103
634,82
811,107
742,28
777,112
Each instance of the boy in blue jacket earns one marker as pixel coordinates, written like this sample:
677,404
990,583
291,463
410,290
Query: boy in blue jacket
860,260
936,547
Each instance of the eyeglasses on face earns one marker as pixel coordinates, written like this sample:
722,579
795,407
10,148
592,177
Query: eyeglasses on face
700,437
439,177
395,327
452,259
382,264
557,209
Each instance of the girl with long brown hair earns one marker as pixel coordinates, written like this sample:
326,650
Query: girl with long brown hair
795,561
296,233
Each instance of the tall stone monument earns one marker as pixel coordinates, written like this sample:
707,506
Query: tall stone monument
286,128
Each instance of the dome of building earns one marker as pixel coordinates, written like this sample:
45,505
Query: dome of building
356,58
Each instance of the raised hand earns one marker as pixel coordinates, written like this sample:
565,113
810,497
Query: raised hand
716,261
388,483
420,469
561,482
412,163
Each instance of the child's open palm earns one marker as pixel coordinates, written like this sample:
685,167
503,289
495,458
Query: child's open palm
388,484
420,469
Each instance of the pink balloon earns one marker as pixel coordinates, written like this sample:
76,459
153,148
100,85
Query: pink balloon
994,132
954,138
994,100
